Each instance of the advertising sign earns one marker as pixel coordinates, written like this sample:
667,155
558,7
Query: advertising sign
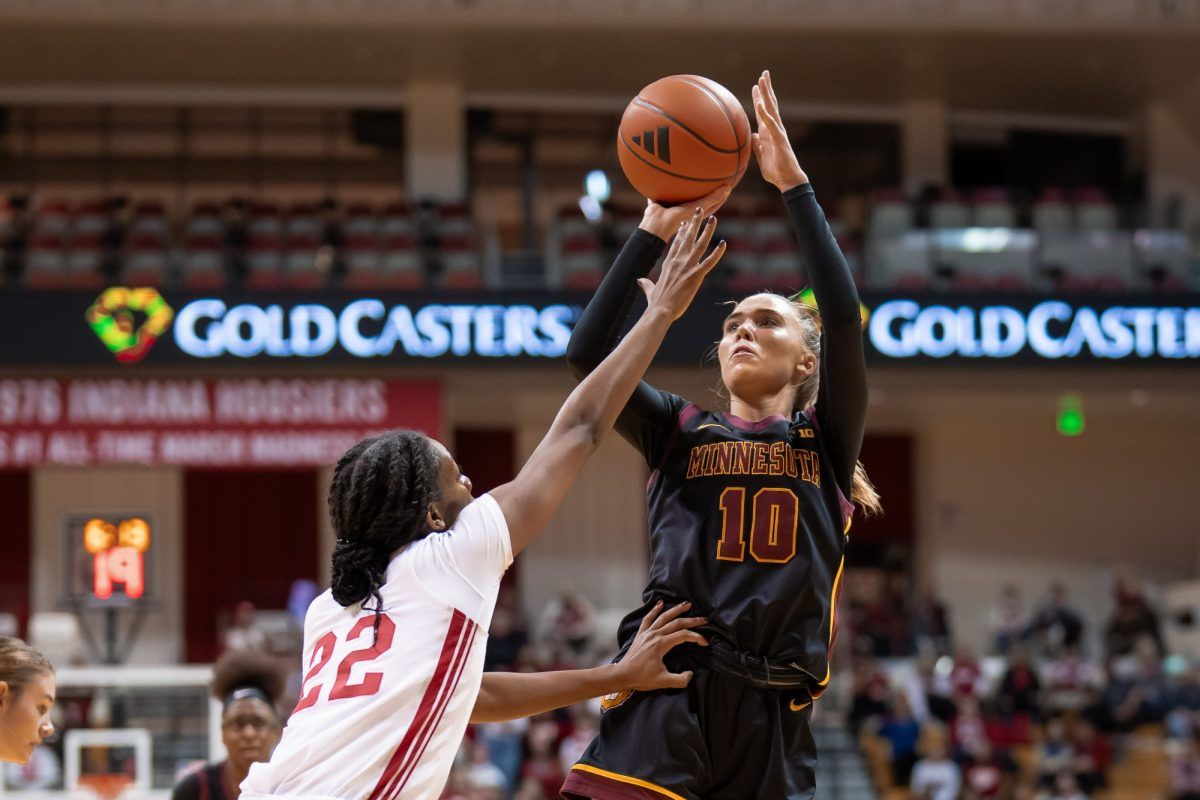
252,423
127,329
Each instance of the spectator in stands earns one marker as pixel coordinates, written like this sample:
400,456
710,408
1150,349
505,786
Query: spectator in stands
543,765
901,731
248,684
969,728
1008,621
966,676
936,692
931,623
878,619
483,774
1132,619
1137,692
1017,694
585,724
569,625
988,775
1054,754
530,790
869,693
26,696
1063,787
1185,771
1068,681
1092,756
244,633
1056,625
505,743
1183,704
506,637
935,776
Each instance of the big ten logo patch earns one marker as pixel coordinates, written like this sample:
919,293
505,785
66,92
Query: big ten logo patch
118,556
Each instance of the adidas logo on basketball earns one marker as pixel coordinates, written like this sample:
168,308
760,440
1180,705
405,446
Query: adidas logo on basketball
650,141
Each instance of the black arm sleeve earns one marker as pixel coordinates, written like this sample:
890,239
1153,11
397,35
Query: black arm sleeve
842,396
648,417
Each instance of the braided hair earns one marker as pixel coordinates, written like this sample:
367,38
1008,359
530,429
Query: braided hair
378,498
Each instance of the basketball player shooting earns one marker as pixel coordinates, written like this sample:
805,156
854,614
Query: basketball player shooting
748,519
394,650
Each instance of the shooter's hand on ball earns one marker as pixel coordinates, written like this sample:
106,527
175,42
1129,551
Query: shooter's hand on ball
664,221
685,266
776,159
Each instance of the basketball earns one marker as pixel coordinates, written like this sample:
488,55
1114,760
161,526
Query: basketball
682,137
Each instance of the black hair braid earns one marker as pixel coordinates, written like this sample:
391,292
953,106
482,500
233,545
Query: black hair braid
378,498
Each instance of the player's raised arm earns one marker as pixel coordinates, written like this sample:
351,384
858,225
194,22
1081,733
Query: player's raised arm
512,695
842,402
590,411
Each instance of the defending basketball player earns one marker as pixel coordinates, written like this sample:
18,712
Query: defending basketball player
748,518
248,685
394,651
26,697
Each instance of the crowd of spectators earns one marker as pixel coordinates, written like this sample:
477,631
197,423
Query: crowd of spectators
1041,717
527,759
1046,714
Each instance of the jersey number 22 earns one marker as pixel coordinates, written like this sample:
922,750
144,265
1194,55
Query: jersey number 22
342,687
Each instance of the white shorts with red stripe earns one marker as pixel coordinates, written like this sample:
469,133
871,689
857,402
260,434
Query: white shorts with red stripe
385,703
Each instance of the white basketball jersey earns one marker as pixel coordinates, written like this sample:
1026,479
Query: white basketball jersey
381,716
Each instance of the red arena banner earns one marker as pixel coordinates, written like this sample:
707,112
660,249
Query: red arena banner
252,423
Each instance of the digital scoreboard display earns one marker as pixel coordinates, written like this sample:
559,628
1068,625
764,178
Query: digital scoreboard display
108,559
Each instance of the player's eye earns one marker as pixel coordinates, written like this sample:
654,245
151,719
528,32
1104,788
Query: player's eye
730,327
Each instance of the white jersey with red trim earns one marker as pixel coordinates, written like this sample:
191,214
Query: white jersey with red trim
381,714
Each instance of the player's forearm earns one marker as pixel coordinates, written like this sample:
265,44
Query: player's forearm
592,408
600,324
512,695
832,283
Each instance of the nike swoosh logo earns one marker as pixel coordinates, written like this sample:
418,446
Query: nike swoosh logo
792,705
714,425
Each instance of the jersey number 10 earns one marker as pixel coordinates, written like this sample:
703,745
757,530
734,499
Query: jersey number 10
342,687
773,517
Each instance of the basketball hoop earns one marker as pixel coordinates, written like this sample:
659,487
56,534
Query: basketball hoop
105,785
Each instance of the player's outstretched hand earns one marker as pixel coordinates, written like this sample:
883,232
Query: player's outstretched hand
664,221
776,159
685,266
642,667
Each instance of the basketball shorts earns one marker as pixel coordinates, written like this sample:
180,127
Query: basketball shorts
720,738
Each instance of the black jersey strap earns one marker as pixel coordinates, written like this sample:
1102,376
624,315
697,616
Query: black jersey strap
754,669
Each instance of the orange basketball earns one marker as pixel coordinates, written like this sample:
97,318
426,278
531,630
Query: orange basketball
682,137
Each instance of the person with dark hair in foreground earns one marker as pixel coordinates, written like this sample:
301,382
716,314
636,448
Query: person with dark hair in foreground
248,684
26,697
393,653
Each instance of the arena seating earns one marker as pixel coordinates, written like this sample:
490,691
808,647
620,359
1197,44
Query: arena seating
265,245
981,241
